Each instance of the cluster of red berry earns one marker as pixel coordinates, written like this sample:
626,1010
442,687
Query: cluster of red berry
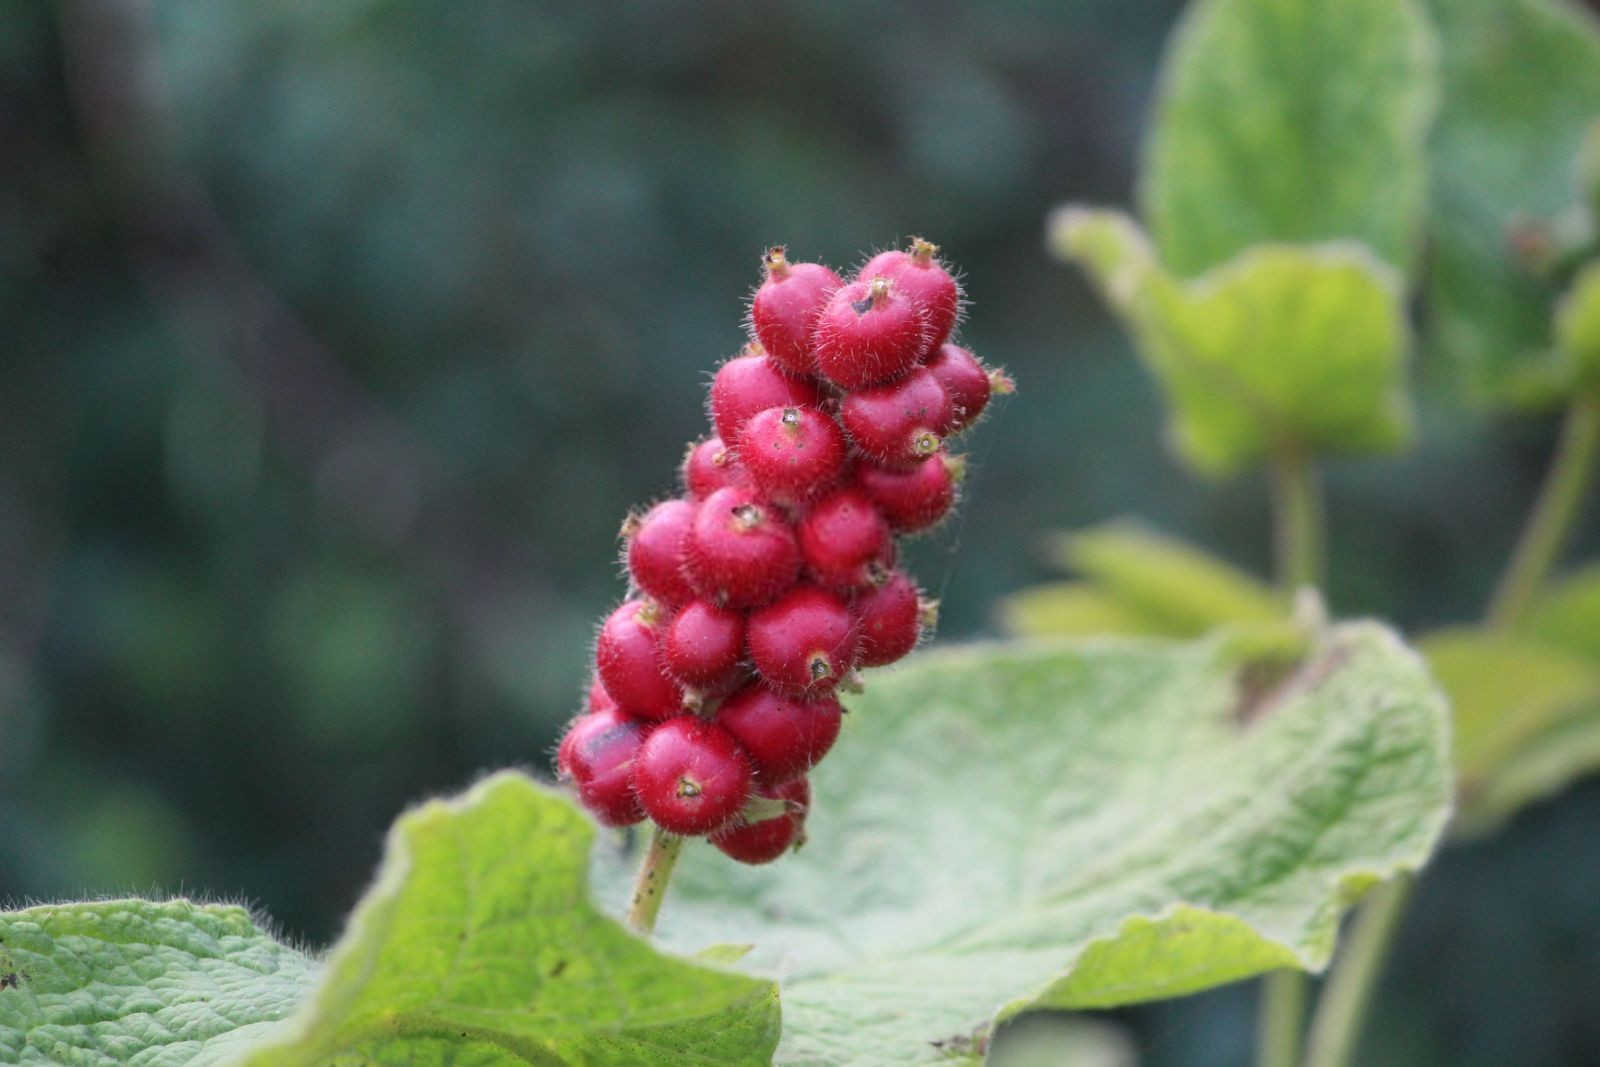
763,587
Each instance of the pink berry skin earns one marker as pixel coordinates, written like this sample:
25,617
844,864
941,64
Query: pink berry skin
919,274
869,333
710,465
597,699
740,552
764,841
783,736
785,308
914,499
846,544
629,662
597,756
655,551
897,424
804,642
691,776
749,383
965,381
890,620
703,646
792,453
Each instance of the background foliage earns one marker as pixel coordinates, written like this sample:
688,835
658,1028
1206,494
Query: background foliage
340,336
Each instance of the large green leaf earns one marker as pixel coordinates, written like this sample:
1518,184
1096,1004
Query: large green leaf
1521,83
1282,347
134,981
1013,826
479,944
1290,121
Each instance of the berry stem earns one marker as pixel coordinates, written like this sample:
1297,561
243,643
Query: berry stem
1297,519
1348,992
1559,500
1283,1007
650,884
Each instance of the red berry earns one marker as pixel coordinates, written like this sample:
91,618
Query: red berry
925,280
785,308
965,382
710,465
749,383
740,552
691,776
868,333
765,841
900,423
890,619
703,645
597,755
845,543
630,666
597,698
913,499
792,453
783,736
804,642
655,550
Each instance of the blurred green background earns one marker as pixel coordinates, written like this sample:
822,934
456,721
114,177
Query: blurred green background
339,336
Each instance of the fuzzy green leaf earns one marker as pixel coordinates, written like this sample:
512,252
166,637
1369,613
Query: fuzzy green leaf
479,944
1578,325
1521,85
1290,121
1016,826
1282,346
136,981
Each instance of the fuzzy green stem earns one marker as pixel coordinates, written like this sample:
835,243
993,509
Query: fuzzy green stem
1282,1013
650,885
1565,486
1297,520
1348,993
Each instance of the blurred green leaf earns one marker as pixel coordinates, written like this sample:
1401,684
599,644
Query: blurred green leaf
159,984
1567,613
1290,121
1188,590
1521,84
1578,325
1504,690
1072,825
479,944
1541,768
1075,609
1281,347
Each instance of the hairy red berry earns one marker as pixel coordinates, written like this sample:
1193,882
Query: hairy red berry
792,453
890,619
655,550
597,699
597,756
920,275
869,333
898,424
765,841
691,776
913,499
785,308
740,551
630,665
845,542
703,646
804,642
784,736
966,382
749,383
710,465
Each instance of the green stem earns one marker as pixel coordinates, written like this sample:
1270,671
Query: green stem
1348,992
1283,1009
650,885
1297,520
1563,492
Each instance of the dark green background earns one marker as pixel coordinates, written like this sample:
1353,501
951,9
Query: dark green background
339,336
